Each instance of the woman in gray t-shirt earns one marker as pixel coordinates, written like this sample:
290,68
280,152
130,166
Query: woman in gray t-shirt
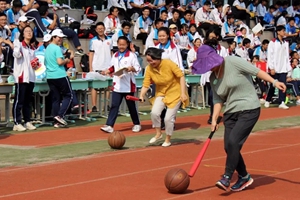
231,82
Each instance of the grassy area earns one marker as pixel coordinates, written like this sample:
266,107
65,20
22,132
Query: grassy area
18,156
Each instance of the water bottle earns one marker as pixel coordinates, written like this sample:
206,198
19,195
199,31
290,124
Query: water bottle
73,74
95,7
84,19
54,2
66,18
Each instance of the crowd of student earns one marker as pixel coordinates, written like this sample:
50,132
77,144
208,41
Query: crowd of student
178,30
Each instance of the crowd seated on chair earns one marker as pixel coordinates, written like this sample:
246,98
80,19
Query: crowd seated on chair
170,25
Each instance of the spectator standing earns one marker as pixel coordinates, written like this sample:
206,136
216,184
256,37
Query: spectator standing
99,56
278,64
24,76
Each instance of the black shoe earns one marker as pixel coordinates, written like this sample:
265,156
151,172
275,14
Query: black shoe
209,121
94,109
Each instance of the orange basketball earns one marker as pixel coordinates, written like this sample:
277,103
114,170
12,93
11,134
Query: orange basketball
177,181
116,140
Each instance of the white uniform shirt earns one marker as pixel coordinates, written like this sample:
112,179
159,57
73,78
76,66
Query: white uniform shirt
278,56
23,54
109,23
102,53
125,83
238,3
141,23
171,52
201,16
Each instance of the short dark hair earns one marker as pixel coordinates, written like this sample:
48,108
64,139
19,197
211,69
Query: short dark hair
280,28
187,12
265,41
126,23
164,11
154,53
111,10
246,41
145,8
17,4
291,19
100,24
123,38
157,21
175,10
230,16
292,53
3,14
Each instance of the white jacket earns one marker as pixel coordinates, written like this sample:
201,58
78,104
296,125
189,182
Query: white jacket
23,54
278,56
126,82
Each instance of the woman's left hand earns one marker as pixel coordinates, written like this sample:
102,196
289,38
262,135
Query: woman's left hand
281,86
183,97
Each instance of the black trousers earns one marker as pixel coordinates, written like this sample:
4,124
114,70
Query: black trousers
143,37
281,96
115,105
35,15
238,126
60,87
22,102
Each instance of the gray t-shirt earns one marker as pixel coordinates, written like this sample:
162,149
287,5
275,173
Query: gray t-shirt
236,86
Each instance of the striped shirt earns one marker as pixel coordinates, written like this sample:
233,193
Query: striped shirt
236,86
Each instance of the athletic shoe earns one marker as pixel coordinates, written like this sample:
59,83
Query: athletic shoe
79,52
224,183
58,125
94,109
107,129
242,183
29,126
154,139
166,144
136,128
19,127
283,106
262,101
60,120
298,102
267,104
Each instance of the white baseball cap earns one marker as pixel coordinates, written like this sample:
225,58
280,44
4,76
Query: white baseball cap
58,32
47,38
23,18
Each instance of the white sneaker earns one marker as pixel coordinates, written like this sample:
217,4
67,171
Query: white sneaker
19,127
262,101
29,126
283,106
298,102
166,144
107,129
154,139
267,104
136,128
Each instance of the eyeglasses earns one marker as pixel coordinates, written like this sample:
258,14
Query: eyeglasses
28,32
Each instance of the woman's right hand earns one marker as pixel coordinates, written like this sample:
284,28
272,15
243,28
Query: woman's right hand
214,125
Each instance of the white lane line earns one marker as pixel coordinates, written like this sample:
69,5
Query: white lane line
144,171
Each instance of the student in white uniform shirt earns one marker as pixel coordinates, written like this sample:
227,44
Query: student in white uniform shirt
99,56
192,54
278,64
240,11
172,51
142,26
112,21
24,76
152,38
123,85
